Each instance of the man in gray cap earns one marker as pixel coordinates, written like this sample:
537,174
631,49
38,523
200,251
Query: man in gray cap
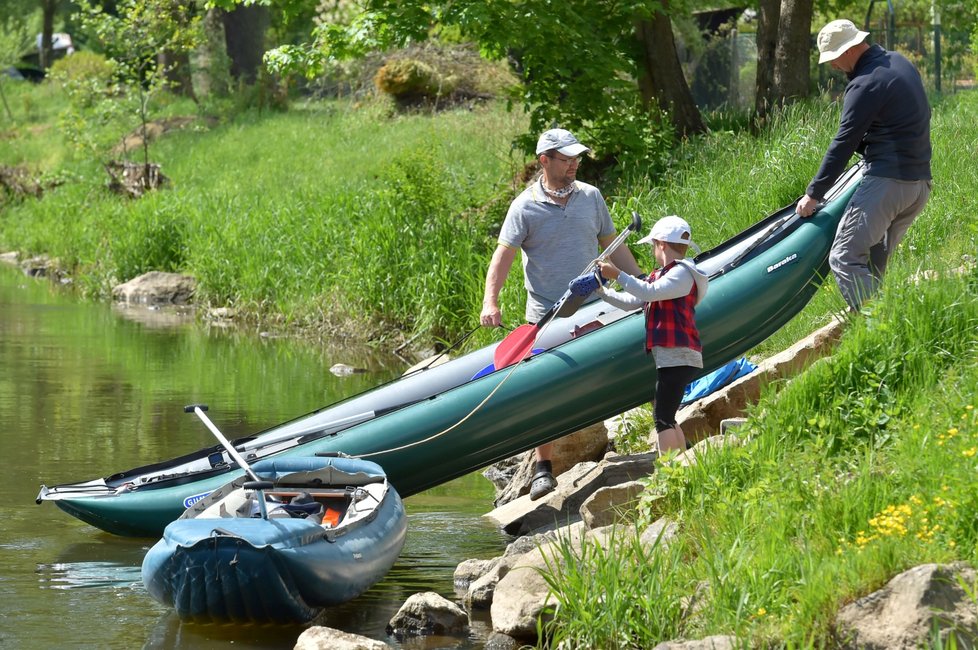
886,118
560,225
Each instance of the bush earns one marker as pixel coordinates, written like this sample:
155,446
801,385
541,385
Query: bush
447,74
410,81
83,67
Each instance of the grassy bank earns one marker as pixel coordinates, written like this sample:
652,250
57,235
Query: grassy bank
340,217
859,469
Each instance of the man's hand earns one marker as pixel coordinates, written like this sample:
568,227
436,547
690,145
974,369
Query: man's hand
806,206
491,316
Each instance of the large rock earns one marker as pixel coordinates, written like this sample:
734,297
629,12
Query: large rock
512,476
327,638
428,613
609,504
905,613
703,417
482,588
563,505
522,596
156,288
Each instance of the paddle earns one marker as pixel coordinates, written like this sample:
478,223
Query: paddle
519,343
256,483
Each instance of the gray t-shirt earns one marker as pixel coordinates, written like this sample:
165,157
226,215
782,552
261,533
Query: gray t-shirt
557,243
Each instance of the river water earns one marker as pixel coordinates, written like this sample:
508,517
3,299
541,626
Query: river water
87,390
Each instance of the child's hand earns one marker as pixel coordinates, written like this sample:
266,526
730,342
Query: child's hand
608,270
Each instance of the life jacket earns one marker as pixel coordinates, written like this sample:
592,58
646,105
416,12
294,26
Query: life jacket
671,323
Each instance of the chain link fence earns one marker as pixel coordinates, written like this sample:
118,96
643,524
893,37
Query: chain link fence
722,73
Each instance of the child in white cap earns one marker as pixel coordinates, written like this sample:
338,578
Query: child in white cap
669,297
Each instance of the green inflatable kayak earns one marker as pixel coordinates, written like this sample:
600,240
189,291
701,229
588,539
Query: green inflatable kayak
442,422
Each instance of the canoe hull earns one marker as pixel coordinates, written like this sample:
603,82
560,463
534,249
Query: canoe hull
460,424
270,570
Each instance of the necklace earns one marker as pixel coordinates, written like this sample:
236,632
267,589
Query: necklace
558,194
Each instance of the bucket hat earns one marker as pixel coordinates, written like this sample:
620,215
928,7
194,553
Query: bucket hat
837,37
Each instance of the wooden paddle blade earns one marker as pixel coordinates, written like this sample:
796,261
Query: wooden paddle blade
516,346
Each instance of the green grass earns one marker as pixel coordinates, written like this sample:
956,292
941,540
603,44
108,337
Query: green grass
862,467
340,217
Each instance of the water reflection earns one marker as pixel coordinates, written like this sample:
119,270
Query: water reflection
85,392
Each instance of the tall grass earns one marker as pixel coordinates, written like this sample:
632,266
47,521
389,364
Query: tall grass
341,217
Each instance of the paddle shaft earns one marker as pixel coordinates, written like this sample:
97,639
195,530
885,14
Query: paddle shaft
199,409
519,343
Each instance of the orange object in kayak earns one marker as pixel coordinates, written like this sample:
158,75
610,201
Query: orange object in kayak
331,517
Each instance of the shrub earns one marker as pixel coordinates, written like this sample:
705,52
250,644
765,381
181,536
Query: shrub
83,68
410,81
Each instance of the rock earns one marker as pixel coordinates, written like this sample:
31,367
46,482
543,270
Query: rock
11,258
607,504
523,596
344,370
429,614
469,571
481,590
904,614
327,638
156,288
728,425
512,477
563,505
498,641
221,313
40,266
703,417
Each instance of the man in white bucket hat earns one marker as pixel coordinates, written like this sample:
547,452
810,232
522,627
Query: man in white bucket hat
559,225
886,118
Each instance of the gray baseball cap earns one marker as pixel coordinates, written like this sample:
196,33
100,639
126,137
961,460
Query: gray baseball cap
561,140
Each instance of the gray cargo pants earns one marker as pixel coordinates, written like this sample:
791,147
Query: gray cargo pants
874,223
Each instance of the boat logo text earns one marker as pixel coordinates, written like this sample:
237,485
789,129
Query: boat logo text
788,260
191,500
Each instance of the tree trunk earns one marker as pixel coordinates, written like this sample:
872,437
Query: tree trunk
662,79
176,68
244,32
792,58
46,53
212,67
768,16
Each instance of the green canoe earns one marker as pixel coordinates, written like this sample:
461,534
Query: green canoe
443,422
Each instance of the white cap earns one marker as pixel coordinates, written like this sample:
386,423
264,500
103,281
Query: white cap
670,229
561,140
837,37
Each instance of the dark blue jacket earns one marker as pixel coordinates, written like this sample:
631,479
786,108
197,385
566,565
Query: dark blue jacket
885,117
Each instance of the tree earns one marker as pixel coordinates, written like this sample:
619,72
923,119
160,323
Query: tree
14,41
244,31
48,8
662,78
592,67
792,57
132,40
768,16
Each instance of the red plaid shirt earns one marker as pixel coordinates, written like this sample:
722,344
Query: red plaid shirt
670,323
